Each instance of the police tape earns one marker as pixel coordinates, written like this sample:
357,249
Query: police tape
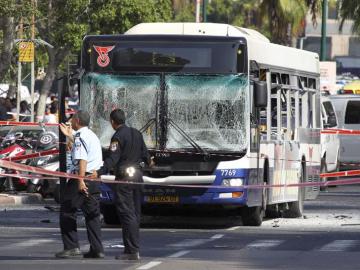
165,151
324,131
47,174
33,155
25,124
27,176
340,131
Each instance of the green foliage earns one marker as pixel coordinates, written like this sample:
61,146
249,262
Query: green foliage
117,16
350,9
185,11
15,8
63,23
238,12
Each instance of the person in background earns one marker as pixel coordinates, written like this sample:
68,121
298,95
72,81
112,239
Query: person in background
52,116
25,114
4,116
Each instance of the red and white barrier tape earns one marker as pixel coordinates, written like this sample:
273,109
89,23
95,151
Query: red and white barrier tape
340,131
341,174
52,174
27,176
33,155
25,124
324,131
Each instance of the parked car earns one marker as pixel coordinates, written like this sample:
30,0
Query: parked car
347,109
330,143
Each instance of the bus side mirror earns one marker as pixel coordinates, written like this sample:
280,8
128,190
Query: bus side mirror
260,94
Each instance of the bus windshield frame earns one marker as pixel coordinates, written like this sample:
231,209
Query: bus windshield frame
153,54
199,106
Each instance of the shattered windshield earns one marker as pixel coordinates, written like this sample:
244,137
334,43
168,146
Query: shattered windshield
206,111
209,109
136,95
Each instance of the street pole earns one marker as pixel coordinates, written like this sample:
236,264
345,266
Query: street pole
204,4
197,16
323,30
32,63
18,98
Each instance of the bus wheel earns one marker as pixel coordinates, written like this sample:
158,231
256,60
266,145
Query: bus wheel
296,208
253,216
272,211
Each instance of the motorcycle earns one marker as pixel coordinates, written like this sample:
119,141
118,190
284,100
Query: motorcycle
13,145
48,140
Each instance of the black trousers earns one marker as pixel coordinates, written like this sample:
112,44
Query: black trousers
128,206
74,200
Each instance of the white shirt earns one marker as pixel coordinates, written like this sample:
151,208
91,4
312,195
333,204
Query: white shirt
86,147
50,118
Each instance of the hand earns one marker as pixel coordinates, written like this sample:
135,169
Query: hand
83,188
94,174
66,130
69,145
152,162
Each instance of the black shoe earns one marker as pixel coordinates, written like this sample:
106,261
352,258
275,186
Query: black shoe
69,253
93,255
128,257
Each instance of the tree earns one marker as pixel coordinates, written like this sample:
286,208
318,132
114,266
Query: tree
350,9
280,20
239,12
117,16
63,25
285,17
10,13
184,10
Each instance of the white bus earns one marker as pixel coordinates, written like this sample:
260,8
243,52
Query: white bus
219,106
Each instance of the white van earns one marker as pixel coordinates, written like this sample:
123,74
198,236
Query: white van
330,143
347,108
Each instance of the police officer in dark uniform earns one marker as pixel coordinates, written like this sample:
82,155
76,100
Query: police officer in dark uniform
86,156
127,155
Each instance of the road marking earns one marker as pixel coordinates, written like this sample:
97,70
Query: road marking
195,242
233,228
339,245
149,265
190,243
115,243
179,254
217,236
30,243
264,244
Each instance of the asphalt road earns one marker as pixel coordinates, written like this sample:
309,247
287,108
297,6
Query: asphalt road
326,238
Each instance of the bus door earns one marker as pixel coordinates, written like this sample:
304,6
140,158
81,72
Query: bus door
286,149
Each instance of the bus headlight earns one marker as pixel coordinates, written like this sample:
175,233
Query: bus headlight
233,182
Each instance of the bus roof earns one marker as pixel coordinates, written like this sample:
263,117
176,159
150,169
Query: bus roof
260,48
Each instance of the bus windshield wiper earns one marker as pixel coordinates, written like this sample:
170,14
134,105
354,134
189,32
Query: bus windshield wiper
187,137
147,125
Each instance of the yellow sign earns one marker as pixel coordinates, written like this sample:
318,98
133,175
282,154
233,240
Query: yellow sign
26,52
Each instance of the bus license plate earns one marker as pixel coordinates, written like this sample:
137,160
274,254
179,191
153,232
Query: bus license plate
162,199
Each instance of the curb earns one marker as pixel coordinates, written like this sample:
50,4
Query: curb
20,199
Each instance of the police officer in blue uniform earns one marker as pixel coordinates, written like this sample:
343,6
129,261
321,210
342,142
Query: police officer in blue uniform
86,155
127,155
